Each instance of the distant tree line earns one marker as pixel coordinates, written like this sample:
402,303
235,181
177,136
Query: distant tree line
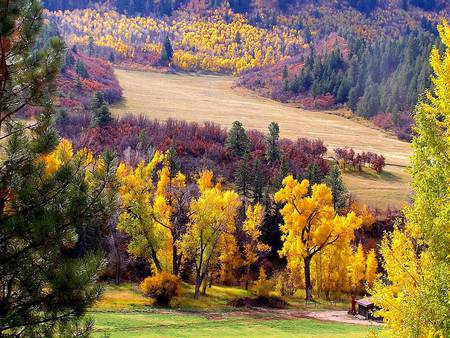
166,7
386,76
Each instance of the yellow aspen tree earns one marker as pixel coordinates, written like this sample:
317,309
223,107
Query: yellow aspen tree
230,259
136,218
253,247
357,269
213,216
310,224
414,293
153,211
371,268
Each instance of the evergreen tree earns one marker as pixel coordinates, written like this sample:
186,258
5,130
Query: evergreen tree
81,69
237,140
314,174
101,116
334,181
285,73
283,171
272,149
46,199
173,161
91,46
244,177
166,51
257,182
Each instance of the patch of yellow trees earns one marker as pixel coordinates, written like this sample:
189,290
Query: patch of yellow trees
317,241
221,41
170,221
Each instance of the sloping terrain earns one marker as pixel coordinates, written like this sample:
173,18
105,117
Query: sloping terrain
201,98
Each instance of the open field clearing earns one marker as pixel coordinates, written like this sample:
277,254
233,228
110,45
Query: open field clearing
200,98
124,312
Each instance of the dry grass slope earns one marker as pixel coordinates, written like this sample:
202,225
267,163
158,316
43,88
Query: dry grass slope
200,98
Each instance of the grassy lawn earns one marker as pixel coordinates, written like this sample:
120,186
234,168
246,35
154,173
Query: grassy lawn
124,312
190,325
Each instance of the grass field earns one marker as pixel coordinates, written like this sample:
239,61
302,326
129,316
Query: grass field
124,312
207,97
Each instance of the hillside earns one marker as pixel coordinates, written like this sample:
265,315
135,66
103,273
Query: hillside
202,98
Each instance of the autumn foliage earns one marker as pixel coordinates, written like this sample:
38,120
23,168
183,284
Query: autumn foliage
162,287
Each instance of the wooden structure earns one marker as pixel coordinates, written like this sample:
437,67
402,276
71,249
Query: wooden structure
366,308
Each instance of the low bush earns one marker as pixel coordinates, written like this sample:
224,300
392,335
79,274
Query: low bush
161,287
263,285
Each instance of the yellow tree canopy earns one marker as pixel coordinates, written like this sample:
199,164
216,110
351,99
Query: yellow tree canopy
310,222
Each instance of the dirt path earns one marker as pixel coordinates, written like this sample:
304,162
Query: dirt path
340,316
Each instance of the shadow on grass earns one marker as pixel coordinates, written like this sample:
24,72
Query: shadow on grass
370,174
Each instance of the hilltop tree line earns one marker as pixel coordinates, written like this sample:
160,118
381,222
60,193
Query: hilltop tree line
166,7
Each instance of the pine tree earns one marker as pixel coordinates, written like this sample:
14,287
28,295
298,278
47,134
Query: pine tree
257,182
101,115
237,140
81,69
272,150
334,181
91,46
244,177
166,51
47,198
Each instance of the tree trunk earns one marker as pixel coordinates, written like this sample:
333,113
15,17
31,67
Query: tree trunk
204,286
247,279
175,261
118,272
156,260
198,283
308,284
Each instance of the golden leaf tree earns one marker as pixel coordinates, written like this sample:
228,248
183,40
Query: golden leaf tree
153,211
213,217
310,224
253,247
414,295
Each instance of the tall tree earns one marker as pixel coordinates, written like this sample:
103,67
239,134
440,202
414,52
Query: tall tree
273,153
213,217
237,140
414,295
334,181
310,225
101,116
49,195
166,51
154,211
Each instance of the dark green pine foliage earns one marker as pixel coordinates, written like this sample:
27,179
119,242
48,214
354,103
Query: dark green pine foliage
166,51
334,181
243,178
237,140
101,115
283,171
258,185
47,276
91,46
272,149
314,174
174,161
81,69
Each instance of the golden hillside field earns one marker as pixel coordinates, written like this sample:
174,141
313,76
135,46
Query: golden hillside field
200,98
